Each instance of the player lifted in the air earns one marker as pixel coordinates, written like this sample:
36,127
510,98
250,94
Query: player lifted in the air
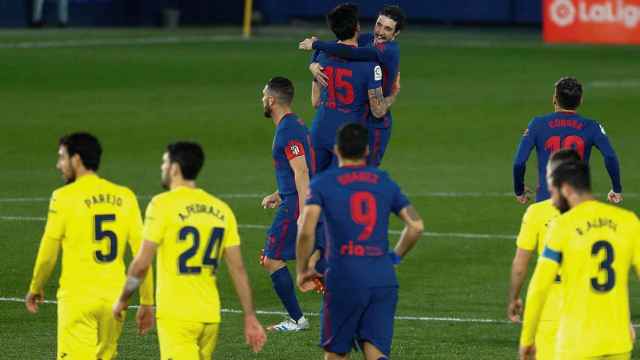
381,47
535,223
293,158
92,220
354,88
592,246
355,202
191,231
564,128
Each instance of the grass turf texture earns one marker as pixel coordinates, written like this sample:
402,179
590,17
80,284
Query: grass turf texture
466,98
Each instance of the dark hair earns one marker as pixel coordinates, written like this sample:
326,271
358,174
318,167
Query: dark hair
343,21
189,156
564,155
352,141
568,93
396,14
86,146
282,89
574,173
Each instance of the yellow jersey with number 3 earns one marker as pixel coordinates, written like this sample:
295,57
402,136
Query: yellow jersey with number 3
92,220
596,244
533,230
191,228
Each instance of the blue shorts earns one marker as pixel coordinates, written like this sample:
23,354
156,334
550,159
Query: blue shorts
281,236
361,315
378,141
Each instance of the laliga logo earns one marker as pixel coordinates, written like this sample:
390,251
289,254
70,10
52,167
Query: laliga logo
564,13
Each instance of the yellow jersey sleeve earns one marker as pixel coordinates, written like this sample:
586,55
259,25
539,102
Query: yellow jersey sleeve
49,244
231,236
528,235
543,277
135,241
154,222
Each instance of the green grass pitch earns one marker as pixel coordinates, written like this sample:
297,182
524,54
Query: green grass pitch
466,97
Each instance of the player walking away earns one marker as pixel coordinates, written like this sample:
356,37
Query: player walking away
293,160
92,220
593,246
381,47
355,202
564,128
534,227
191,231
353,88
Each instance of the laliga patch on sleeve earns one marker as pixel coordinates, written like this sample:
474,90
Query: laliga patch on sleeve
602,130
377,72
294,149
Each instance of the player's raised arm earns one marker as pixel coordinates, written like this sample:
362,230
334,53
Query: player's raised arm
254,332
601,140
519,164
349,52
305,244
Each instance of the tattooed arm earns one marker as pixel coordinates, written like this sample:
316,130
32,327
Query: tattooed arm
380,104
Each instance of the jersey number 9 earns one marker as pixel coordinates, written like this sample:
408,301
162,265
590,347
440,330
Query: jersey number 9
364,211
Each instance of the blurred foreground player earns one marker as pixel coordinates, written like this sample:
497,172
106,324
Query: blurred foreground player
379,46
593,246
535,223
191,230
293,160
91,220
563,129
355,202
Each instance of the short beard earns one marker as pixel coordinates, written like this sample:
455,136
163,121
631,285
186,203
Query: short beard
563,205
267,113
71,178
165,182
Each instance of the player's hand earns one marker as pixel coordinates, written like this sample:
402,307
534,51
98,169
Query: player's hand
318,75
615,198
271,201
305,280
524,197
118,309
145,319
514,311
32,300
307,44
527,352
254,333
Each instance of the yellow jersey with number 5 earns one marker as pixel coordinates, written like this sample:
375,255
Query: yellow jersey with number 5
92,220
596,244
191,228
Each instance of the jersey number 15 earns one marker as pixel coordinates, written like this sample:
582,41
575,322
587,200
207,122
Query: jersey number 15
338,81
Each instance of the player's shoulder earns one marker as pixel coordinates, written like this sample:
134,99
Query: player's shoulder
160,198
618,212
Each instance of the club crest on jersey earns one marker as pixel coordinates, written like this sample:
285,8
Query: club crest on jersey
377,72
295,150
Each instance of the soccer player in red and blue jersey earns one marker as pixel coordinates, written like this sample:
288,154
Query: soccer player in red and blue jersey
562,129
293,161
355,201
381,47
354,89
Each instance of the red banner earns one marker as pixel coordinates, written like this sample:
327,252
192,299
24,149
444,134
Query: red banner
592,21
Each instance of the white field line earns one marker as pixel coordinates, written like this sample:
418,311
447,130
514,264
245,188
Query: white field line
436,194
122,41
314,314
264,227
614,84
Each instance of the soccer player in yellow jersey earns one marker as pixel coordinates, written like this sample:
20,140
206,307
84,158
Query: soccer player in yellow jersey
593,245
191,231
92,220
530,239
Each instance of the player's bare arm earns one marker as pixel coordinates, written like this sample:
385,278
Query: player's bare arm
137,271
318,74
255,335
45,263
518,273
301,178
307,44
305,245
379,104
412,230
315,94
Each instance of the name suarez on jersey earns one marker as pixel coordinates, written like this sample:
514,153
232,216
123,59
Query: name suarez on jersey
193,209
103,199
